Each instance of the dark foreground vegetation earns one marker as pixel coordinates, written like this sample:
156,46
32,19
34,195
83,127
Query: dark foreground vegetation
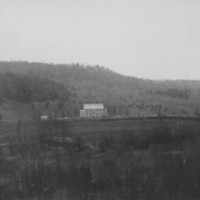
49,163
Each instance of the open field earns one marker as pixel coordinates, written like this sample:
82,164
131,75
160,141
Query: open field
12,112
103,126
126,125
116,127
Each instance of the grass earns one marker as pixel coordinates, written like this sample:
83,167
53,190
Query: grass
151,160
13,112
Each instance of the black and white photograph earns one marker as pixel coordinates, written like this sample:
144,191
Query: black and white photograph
99,99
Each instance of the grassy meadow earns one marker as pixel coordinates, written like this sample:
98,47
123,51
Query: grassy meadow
120,159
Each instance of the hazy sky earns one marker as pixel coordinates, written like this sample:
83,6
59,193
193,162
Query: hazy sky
156,39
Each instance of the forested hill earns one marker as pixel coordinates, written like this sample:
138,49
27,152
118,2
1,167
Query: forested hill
122,95
27,89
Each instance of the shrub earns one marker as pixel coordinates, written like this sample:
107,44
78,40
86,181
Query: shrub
106,144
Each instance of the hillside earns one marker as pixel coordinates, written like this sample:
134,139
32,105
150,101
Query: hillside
12,112
122,95
26,88
24,97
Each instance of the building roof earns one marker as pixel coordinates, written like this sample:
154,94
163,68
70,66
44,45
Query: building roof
93,106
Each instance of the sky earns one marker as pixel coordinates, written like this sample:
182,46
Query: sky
154,39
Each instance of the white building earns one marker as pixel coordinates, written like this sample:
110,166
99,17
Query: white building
93,111
44,117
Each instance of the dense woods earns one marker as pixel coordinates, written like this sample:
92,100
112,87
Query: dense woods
27,89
